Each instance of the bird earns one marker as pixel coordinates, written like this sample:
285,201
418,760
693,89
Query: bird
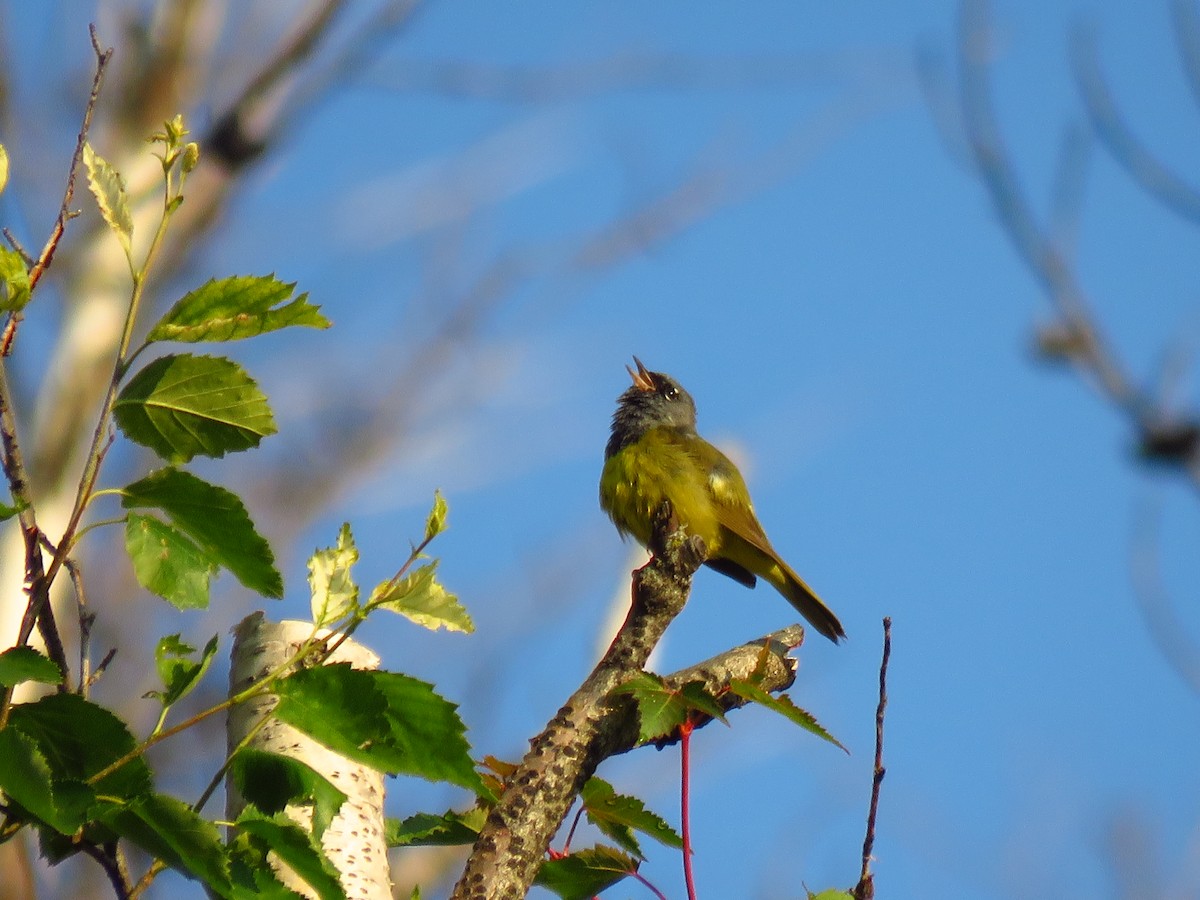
654,454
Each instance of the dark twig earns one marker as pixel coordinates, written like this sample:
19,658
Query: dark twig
1129,152
64,212
1187,33
1164,625
1164,436
100,669
865,889
1042,256
16,245
112,861
236,138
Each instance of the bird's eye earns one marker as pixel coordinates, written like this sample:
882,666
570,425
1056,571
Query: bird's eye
671,393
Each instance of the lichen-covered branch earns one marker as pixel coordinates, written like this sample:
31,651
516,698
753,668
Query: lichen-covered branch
594,725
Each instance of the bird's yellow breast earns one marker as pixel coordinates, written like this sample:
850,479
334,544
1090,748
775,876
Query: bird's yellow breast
657,467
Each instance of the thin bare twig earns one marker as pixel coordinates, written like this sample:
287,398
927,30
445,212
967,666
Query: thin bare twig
64,212
1129,152
231,140
112,861
865,890
1187,34
1166,629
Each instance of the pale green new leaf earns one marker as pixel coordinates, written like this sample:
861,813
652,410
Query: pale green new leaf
182,406
334,593
436,523
167,563
108,188
14,278
3,168
230,309
421,597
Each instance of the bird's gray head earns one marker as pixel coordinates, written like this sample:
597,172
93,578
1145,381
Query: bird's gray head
654,401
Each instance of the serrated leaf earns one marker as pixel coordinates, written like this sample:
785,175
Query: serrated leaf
585,873
167,563
435,524
179,673
451,829
296,849
270,782
662,709
215,519
25,778
168,829
251,873
385,720
79,738
182,406
230,309
108,188
783,705
419,596
334,593
3,168
616,814
20,664
14,278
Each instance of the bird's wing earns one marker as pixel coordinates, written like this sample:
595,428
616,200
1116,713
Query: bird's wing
731,502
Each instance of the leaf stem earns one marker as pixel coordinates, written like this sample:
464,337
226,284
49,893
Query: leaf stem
685,803
91,470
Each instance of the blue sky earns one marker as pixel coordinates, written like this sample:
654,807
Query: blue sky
856,328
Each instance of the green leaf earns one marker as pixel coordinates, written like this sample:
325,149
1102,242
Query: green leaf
419,596
435,524
271,782
19,664
167,563
783,705
585,873
3,168
662,709
831,894
215,519
25,778
230,309
251,873
334,593
296,849
179,673
79,738
108,188
451,829
616,814
385,720
15,279
168,829
7,511
183,405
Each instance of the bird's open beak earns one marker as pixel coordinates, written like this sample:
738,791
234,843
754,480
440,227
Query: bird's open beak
642,379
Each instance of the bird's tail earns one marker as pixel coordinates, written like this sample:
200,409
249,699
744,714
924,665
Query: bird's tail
807,603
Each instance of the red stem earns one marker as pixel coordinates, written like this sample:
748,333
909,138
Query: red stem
685,777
